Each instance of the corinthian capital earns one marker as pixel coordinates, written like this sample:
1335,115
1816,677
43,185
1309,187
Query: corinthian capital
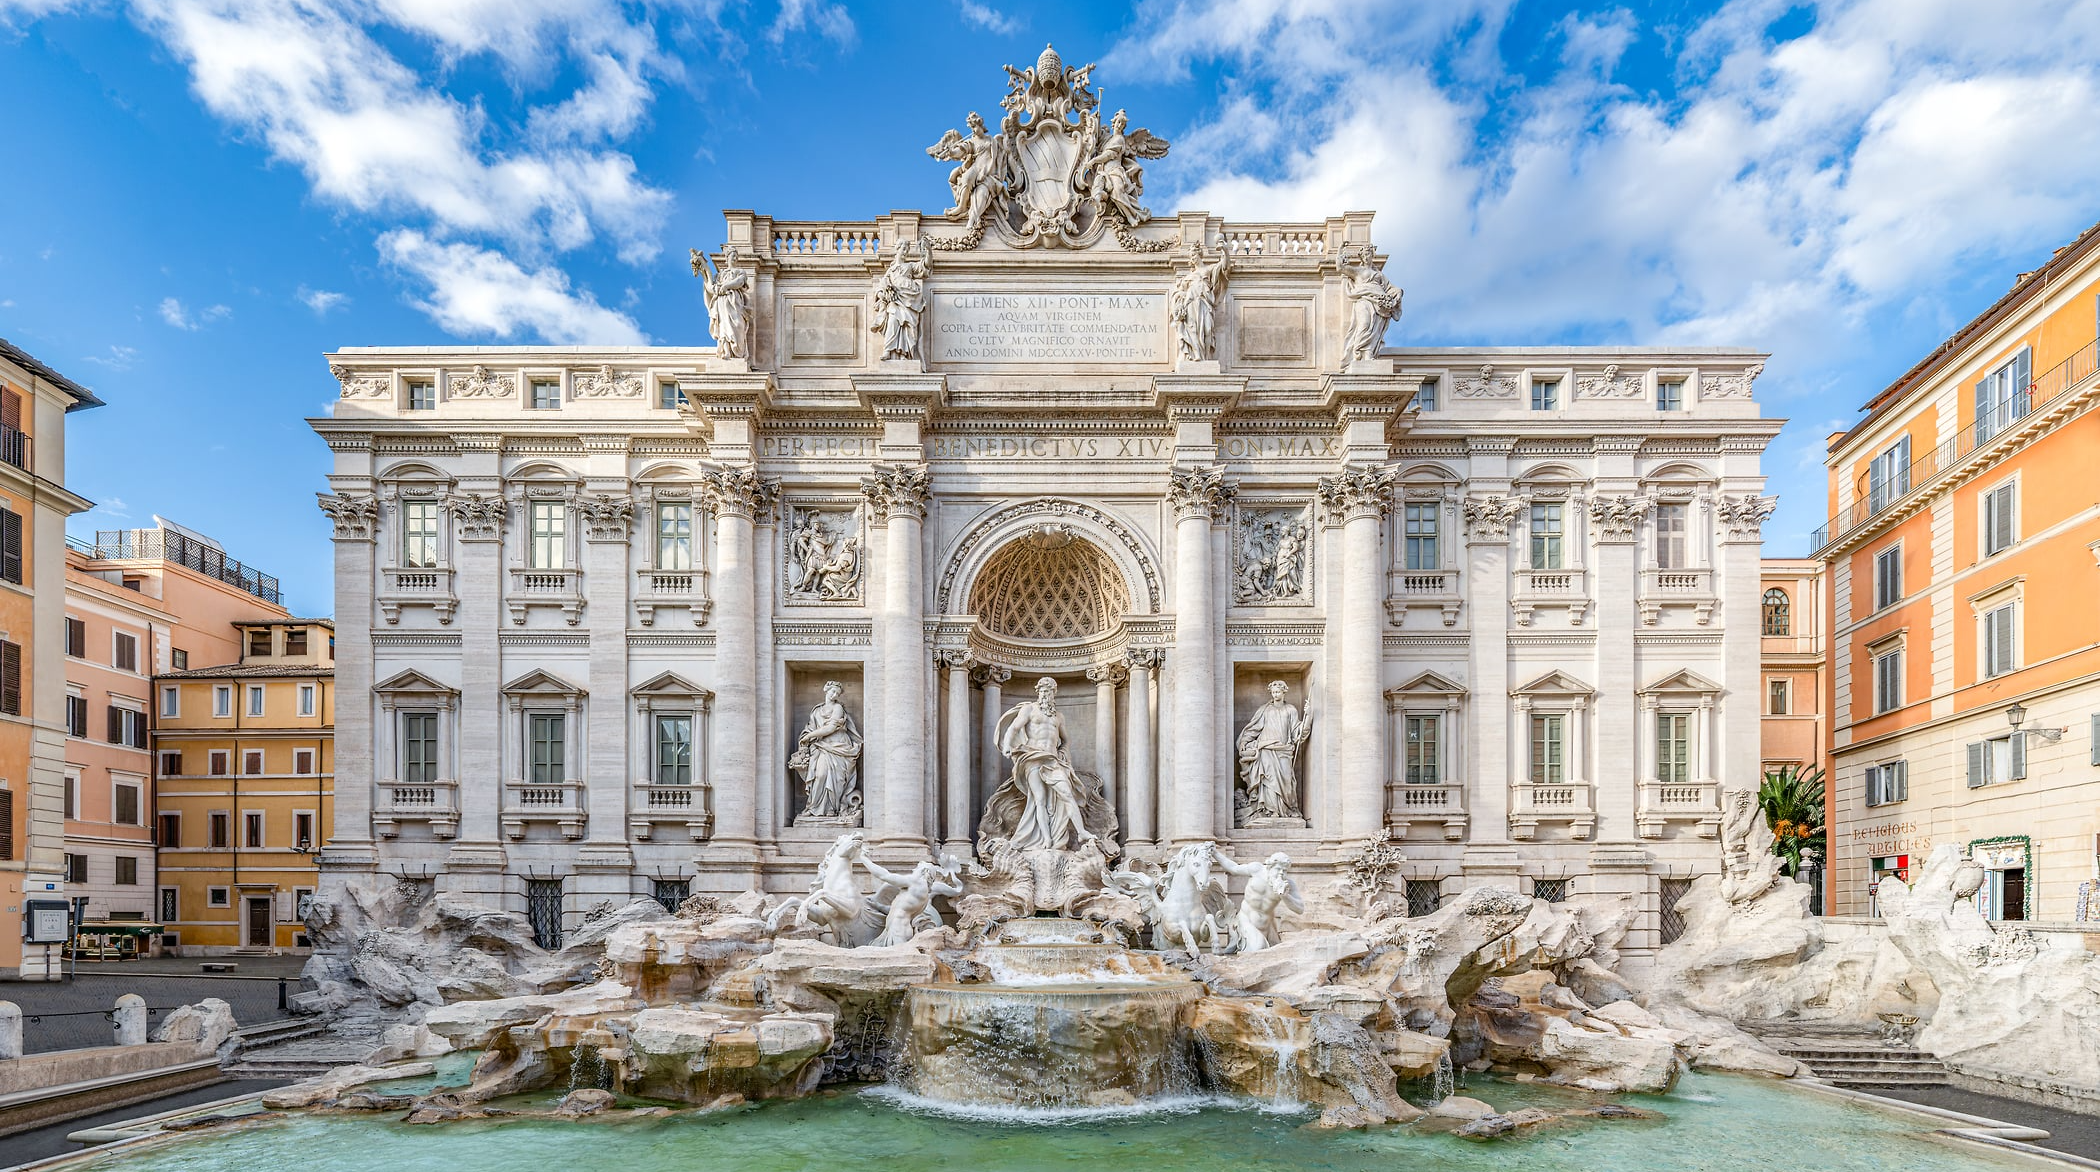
1744,515
902,489
1199,491
356,515
1358,492
607,516
1488,515
1616,517
736,491
479,517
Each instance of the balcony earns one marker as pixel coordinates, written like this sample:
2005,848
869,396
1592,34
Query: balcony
1553,803
1439,804
429,586
1693,588
14,448
656,589
2029,406
1550,588
550,588
434,802
1664,802
1436,590
559,802
168,545
656,805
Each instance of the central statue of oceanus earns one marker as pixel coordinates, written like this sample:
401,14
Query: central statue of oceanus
1045,804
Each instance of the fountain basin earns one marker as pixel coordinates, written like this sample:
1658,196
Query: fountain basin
1066,1045
1062,963
1050,930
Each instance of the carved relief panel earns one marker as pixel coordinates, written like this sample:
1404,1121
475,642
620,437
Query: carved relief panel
1272,551
823,551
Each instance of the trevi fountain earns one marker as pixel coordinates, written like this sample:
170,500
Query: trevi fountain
1338,842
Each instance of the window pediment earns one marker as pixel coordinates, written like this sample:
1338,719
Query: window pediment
671,686
1428,684
1684,682
542,683
1554,683
411,684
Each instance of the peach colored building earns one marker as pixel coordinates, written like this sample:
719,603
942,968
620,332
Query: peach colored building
34,505
1964,567
1793,612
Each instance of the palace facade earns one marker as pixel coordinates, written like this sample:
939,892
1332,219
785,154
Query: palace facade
589,600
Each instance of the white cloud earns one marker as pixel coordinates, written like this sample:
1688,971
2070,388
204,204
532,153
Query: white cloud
829,21
321,300
118,357
988,18
175,314
479,291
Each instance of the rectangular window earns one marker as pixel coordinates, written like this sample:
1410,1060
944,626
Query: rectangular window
1998,641
546,395
548,550
674,750
2003,395
11,678
76,869
303,830
419,535
422,396
171,701
1545,537
252,762
252,830
127,727
218,897
76,638
672,892
1888,680
179,659
1424,896
543,911
259,643
306,699
1669,537
170,836
1673,747
669,397
1888,476
126,805
1669,396
1997,519
1549,890
295,641
1888,783
255,699
546,733
127,652
11,546
674,536
221,762
76,716
1545,394
71,797
1425,395
1422,522
303,762
419,748
1548,748
171,764
127,871
1423,764
170,906
1777,694
222,700
221,830
1997,759
1888,577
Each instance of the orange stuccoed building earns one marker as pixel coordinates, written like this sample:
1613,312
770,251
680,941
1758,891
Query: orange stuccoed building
1963,558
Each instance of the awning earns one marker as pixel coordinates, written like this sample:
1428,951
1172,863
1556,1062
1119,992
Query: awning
118,928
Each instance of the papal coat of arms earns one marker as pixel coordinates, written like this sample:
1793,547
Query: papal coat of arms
1054,174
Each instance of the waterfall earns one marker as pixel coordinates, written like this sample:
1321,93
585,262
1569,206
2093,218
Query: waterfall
587,1067
1444,1084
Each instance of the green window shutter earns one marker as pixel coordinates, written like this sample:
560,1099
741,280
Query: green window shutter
2096,738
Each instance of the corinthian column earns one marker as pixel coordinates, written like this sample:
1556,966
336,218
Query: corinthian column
956,833
735,495
994,678
897,496
1360,497
1198,494
1104,678
1139,803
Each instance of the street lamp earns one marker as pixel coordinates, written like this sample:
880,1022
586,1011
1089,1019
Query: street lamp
2017,714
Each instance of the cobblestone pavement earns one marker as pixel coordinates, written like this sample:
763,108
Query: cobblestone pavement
83,999
2068,1131
44,1142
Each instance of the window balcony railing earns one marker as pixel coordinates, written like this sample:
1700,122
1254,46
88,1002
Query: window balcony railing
1677,587
429,586
1550,587
656,805
2066,378
543,587
435,802
559,802
1663,802
14,448
1551,802
1426,589
655,589
1440,803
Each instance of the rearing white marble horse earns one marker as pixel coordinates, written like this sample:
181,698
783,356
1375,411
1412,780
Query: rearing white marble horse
1184,915
834,903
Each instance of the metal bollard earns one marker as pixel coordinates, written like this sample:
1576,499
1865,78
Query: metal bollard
10,1031
283,998
131,1020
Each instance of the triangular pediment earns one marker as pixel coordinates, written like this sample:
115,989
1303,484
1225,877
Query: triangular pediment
413,683
670,683
541,683
1684,680
1554,683
1429,683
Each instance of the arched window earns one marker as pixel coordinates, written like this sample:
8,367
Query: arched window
1778,613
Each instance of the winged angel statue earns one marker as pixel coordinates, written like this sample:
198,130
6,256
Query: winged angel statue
1053,174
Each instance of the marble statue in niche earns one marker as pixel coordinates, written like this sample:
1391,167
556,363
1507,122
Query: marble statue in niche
1274,548
900,301
1268,754
727,292
824,556
1193,304
1374,302
827,755
1045,803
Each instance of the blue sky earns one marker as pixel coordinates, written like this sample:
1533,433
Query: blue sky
206,195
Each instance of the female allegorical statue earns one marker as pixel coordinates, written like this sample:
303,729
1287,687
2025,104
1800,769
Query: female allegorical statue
828,758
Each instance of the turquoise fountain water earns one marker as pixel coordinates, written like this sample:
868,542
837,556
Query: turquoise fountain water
1713,1124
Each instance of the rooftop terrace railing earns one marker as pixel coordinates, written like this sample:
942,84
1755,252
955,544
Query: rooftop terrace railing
170,546
2056,383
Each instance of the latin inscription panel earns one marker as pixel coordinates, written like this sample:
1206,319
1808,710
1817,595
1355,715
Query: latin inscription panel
1050,328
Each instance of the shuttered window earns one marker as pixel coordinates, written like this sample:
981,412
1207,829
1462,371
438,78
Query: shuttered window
11,678
76,638
1888,577
2003,396
1997,519
1998,641
1888,783
7,824
1888,680
11,546
1888,476
1997,759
